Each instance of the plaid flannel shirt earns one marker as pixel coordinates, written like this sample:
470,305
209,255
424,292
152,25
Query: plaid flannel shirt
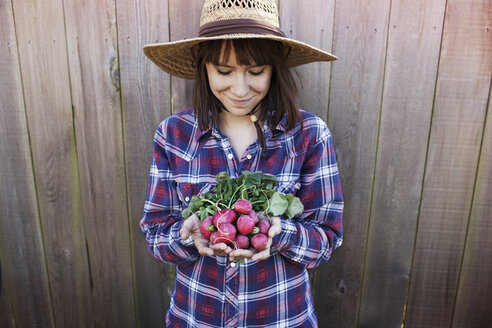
210,291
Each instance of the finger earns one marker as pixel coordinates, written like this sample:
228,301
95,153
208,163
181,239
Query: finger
244,253
261,256
205,251
221,248
185,231
275,228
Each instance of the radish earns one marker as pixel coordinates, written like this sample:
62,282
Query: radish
264,226
226,233
207,227
259,241
254,216
225,215
245,224
242,241
213,237
243,206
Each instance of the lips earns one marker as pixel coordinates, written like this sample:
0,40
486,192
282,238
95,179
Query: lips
240,102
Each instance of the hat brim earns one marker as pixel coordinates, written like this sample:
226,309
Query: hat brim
176,59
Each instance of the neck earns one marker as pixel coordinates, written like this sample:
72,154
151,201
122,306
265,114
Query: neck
240,131
229,122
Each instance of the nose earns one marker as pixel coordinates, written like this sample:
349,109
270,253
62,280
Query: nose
240,86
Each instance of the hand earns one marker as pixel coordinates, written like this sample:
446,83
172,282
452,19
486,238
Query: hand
254,254
191,226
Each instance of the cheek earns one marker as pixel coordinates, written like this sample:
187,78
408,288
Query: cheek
217,83
263,85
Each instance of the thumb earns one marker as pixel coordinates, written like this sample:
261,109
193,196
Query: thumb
185,230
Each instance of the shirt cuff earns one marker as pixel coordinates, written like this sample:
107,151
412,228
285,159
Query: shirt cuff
286,236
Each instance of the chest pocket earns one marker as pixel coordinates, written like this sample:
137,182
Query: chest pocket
187,190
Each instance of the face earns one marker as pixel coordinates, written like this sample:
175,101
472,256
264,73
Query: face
239,88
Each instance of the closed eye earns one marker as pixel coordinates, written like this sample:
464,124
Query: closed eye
256,73
223,72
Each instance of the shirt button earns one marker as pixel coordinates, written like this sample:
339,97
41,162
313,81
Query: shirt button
233,264
187,198
248,156
230,156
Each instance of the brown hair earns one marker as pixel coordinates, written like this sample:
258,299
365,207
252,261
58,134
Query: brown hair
280,99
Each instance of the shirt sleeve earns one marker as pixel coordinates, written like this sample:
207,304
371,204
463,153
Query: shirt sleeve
310,238
161,219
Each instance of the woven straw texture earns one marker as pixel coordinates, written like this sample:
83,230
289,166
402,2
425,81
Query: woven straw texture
217,10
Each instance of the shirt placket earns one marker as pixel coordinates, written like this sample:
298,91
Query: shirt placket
231,295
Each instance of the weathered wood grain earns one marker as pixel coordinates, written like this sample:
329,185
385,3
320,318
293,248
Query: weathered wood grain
314,84
414,36
94,76
354,106
313,79
184,21
474,298
40,30
23,267
462,94
146,101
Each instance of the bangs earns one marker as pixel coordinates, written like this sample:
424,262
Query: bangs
248,51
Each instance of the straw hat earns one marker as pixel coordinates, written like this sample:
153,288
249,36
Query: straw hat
232,19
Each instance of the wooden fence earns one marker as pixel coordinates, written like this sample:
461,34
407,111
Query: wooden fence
407,103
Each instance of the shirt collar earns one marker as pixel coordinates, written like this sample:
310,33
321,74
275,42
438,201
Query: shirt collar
280,128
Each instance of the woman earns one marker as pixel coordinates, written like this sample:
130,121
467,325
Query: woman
244,117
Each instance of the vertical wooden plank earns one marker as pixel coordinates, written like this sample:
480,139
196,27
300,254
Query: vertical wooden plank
463,86
94,76
311,23
23,267
354,104
7,319
184,21
44,69
414,38
474,300
146,101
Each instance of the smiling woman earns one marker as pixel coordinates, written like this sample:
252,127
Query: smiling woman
244,118
240,89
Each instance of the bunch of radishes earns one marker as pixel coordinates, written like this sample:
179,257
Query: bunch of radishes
238,226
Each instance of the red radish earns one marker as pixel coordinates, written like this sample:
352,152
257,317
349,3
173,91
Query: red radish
245,224
254,216
259,241
264,226
207,227
242,241
213,238
226,233
243,206
225,215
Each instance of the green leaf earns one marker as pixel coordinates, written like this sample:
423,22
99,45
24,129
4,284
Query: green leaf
295,207
186,213
203,214
222,177
278,204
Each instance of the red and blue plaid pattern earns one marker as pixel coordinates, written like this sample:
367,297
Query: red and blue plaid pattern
212,291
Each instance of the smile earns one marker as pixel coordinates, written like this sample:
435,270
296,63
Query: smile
240,102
